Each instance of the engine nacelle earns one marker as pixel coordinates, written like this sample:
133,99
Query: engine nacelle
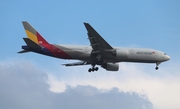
121,54
111,67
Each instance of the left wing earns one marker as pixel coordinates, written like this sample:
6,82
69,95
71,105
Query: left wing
77,63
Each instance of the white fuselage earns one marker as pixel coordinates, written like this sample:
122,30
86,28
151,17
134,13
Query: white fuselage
123,54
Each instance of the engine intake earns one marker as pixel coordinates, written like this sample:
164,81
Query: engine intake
111,66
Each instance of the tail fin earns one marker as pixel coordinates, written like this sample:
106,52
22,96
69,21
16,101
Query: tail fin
33,34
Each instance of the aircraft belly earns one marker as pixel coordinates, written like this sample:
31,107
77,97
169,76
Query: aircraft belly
140,61
79,55
84,56
142,58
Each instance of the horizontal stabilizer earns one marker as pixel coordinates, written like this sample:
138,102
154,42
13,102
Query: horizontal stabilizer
24,51
31,44
76,64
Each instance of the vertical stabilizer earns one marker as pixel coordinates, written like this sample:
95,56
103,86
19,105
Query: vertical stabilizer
33,34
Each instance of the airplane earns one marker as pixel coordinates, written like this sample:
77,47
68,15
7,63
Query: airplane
98,53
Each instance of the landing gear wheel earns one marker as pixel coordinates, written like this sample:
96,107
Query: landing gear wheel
157,68
89,70
157,64
96,68
93,69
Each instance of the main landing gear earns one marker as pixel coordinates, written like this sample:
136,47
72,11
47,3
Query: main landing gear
157,64
93,69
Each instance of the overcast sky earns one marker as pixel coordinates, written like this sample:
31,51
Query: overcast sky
35,81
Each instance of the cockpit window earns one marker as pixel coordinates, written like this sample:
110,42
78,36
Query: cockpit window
164,53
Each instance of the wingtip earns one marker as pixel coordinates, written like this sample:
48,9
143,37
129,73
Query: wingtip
23,51
85,23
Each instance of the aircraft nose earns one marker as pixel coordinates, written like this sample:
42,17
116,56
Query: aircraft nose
167,57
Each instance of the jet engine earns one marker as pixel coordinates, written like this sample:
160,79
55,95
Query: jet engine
121,54
111,66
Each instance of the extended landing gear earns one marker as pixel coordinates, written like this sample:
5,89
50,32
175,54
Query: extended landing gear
93,69
157,64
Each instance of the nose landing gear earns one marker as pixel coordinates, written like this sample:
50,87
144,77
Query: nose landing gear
157,68
157,64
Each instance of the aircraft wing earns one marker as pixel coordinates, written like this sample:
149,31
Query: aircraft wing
97,42
100,47
76,63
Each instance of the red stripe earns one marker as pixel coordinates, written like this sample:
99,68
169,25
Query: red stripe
41,40
56,51
60,53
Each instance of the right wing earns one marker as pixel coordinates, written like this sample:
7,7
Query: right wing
101,49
